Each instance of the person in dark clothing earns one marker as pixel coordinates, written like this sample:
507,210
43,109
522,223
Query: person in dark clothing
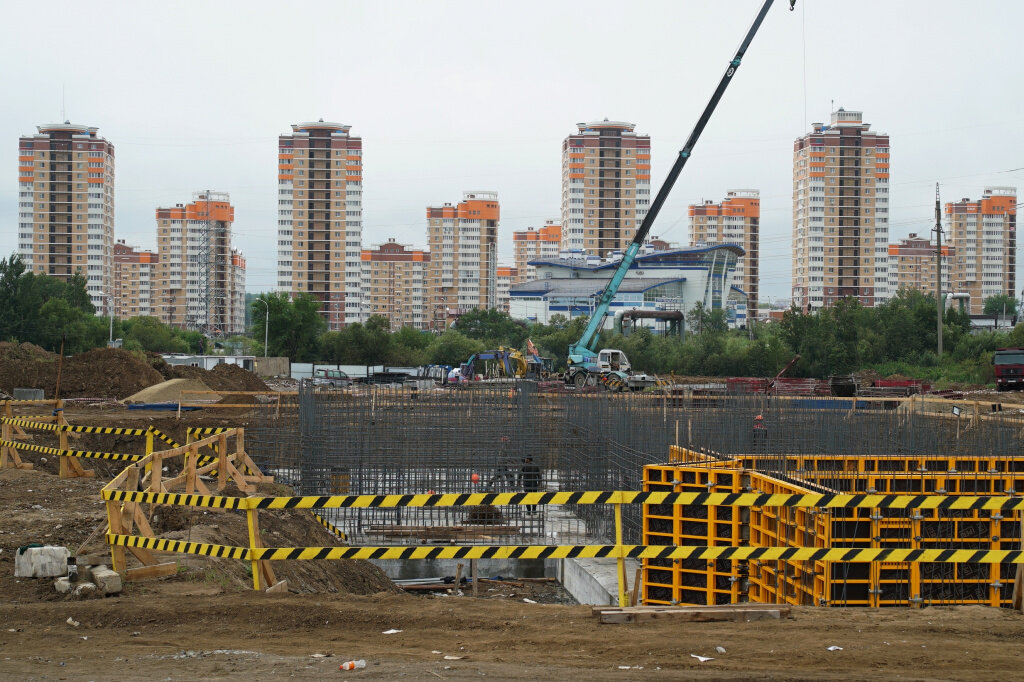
529,480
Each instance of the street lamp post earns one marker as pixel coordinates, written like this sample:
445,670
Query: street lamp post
266,325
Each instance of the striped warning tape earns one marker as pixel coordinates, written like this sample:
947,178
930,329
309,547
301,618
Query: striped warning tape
178,499
206,431
959,502
70,427
164,437
330,527
841,554
69,453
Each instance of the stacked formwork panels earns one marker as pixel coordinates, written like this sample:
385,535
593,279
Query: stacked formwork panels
843,584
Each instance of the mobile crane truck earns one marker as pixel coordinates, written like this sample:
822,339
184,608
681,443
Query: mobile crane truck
588,367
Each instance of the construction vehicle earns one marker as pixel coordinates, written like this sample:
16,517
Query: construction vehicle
501,363
1008,366
588,366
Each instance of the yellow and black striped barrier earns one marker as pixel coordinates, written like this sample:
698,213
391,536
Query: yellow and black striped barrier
42,426
331,528
846,555
206,431
70,453
823,501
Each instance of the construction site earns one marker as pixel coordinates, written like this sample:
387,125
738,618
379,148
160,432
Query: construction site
517,531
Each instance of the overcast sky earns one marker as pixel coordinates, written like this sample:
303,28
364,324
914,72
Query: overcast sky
455,96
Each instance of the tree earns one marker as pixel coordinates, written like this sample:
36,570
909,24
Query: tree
295,325
492,325
152,335
453,348
1001,304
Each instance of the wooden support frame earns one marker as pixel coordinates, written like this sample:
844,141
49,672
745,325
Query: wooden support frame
147,475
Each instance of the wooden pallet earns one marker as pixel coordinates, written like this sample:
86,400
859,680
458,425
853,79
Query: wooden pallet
691,614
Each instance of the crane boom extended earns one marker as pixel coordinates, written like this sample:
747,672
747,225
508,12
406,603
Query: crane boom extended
579,351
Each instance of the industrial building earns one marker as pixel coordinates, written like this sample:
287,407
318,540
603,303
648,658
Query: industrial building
658,281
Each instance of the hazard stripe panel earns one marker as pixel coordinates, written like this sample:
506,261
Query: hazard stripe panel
330,526
954,556
69,453
965,502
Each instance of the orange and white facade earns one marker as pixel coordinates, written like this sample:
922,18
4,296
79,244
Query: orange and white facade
394,284
507,275
66,207
135,277
984,236
531,244
606,186
463,241
841,213
200,282
320,218
912,265
735,220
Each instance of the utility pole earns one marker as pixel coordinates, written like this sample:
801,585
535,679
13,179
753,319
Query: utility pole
938,267
110,302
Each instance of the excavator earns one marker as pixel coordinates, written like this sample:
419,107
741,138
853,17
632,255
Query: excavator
588,366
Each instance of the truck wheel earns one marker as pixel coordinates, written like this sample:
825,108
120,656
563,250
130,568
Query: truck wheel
579,379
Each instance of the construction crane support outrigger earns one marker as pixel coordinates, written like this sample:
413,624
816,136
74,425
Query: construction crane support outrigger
582,358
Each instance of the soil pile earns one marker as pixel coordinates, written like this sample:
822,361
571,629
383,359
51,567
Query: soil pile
36,506
99,373
221,378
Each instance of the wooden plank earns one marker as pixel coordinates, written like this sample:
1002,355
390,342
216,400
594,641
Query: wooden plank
745,606
278,588
706,616
154,571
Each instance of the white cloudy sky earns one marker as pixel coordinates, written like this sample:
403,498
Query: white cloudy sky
454,96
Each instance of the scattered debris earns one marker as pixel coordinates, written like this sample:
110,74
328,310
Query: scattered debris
720,649
390,632
72,622
702,659
352,665
834,648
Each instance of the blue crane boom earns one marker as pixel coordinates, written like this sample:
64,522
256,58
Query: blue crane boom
582,351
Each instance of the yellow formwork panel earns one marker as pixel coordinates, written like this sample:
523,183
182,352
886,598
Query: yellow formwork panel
691,581
832,583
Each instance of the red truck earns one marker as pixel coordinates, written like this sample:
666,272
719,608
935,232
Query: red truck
1008,364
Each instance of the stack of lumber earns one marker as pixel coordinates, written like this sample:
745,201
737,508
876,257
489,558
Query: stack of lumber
690,614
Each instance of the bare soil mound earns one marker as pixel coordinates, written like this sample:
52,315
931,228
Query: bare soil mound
36,506
99,373
221,378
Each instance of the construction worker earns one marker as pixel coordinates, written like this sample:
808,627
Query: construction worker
504,478
529,480
760,434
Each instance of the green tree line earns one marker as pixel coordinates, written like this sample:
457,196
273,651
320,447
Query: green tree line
896,337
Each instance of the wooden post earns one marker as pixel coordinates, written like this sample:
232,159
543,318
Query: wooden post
190,470
621,560
262,574
475,577
65,469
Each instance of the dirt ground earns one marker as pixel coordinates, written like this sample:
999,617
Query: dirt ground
204,622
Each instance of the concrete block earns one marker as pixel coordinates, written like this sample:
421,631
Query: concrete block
108,582
28,394
85,589
41,562
62,585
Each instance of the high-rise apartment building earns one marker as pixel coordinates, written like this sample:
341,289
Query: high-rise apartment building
984,236
506,276
135,276
66,206
463,242
320,218
531,244
394,284
912,265
200,278
736,220
840,213
606,186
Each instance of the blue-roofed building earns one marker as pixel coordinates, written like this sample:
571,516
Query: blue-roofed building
657,281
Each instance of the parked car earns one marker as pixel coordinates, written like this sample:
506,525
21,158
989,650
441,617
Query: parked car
334,378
